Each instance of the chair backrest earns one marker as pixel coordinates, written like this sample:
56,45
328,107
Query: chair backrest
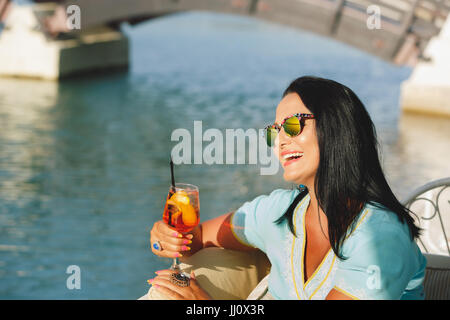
437,277
431,206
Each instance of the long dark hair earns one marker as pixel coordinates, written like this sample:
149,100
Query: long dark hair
349,173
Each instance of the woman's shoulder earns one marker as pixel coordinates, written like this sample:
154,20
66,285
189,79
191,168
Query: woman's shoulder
277,196
381,239
382,218
272,204
281,199
376,223
283,194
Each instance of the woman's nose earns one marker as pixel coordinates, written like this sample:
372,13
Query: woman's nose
283,138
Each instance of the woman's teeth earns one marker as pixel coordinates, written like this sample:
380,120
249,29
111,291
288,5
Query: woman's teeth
292,155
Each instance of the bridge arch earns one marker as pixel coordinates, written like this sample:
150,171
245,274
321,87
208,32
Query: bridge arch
394,30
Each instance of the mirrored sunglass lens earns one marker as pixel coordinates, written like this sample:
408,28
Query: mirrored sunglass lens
292,126
271,134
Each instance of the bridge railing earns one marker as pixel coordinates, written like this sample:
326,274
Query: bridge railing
402,21
421,18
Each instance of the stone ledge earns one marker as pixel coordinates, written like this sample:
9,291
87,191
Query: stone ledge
425,98
25,51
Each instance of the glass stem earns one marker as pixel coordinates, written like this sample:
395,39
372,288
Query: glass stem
175,265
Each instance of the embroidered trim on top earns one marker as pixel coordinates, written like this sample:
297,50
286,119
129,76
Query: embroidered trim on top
293,245
346,293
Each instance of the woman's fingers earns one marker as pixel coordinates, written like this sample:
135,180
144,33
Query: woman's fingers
166,272
172,242
171,290
173,247
164,228
169,293
171,237
163,283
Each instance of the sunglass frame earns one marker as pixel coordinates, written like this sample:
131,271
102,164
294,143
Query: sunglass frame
299,116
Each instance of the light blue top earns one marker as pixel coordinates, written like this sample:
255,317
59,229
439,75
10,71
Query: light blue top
382,260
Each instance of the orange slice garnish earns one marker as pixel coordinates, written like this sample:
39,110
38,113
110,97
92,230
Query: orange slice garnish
180,197
188,215
181,201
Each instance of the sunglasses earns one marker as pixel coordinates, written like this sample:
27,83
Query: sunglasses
292,125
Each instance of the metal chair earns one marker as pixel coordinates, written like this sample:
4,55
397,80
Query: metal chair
431,205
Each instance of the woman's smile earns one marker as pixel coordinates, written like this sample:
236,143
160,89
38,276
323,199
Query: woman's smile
290,157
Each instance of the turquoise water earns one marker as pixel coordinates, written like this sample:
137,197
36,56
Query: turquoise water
84,163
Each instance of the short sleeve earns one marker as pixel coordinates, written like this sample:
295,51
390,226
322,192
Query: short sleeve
381,261
251,222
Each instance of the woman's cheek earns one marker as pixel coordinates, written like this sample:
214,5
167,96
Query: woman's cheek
276,148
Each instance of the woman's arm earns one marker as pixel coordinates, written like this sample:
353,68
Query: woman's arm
216,233
211,233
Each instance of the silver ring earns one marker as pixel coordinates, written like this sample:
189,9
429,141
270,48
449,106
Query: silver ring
180,279
157,246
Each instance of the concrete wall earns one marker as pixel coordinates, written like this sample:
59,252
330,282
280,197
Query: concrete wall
428,88
26,51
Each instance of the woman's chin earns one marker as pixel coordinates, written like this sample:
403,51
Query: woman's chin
296,177
291,177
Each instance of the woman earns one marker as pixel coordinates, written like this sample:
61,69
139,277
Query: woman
342,234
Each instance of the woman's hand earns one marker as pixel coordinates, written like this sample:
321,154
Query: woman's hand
172,291
173,243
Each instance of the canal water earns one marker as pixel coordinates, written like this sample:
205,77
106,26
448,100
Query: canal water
84,166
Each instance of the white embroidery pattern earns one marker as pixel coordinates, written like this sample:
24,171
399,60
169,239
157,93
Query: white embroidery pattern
286,270
294,254
317,287
286,265
357,292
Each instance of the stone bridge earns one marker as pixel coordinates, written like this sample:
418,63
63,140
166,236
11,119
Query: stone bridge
394,30
37,40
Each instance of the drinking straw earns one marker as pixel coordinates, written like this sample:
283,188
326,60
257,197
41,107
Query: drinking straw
171,174
173,188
